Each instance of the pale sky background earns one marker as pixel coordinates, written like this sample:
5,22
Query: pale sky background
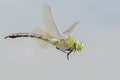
99,30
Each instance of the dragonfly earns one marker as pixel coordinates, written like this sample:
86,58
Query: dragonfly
52,35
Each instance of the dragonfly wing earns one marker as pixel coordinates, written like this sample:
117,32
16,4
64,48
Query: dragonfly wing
71,29
43,33
49,21
42,43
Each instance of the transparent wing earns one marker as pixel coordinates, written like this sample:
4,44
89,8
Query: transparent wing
49,21
71,29
42,43
50,30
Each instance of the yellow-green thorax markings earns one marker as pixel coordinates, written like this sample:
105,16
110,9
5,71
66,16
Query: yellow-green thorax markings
67,43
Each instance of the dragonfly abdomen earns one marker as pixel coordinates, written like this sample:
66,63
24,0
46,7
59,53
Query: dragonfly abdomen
32,35
15,35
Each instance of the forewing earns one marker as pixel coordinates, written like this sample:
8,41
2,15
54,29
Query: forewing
71,29
49,21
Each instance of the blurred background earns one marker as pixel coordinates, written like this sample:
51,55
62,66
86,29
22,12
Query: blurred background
99,30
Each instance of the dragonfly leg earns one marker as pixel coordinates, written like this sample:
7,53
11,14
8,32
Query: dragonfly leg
61,50
74,47
70,50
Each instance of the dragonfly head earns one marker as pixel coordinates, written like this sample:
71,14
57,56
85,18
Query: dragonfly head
79,46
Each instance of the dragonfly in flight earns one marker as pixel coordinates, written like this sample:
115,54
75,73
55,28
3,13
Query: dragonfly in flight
52,35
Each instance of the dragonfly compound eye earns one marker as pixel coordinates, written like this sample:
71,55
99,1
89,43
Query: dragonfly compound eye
79,46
